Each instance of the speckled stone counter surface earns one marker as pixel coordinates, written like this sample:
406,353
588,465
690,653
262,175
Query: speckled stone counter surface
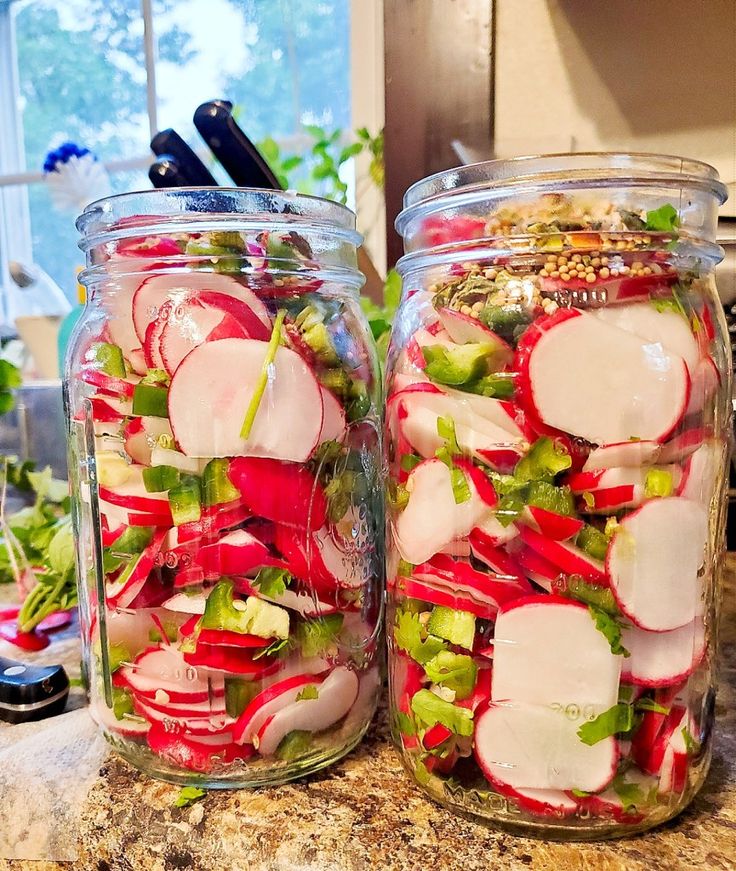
365,813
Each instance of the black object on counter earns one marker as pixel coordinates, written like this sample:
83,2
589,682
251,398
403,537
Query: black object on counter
31,692
168,143
240,158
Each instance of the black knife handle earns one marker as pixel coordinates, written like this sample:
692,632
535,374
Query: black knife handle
240,158
165,173
31,692
168,142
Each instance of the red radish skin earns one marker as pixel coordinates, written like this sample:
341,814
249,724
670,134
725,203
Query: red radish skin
569,559
662,658
152,338
496,558
701,473
464,328
652,723
536,639
157,290
140,435
682,445
109,384
532,747
425,591
576,372
542,802
653,562
207,405
29,641
624,454
650,759
133,496
432,518
280,491
538,569
495,532
236,553
214,520
160,669
224,638
705,381
270,700
552,525
337,693
180,750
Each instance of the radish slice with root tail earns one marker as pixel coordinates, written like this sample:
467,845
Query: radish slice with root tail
662,658
534,747
653,562
548,651
211,391
585,377
336,695
432,518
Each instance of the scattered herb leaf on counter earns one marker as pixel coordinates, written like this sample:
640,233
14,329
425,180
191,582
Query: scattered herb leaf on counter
188,795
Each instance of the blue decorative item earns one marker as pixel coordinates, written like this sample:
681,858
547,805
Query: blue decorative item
75,177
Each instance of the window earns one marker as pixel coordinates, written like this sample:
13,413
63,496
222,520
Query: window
108,73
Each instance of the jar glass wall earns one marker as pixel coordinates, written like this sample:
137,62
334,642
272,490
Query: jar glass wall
224,449
557,434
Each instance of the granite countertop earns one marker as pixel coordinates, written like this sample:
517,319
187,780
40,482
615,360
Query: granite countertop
365,813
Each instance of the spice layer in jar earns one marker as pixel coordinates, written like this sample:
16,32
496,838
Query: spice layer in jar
225,454
557,432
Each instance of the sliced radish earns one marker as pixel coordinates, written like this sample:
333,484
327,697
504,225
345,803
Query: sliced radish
653,562
180,749
30,641
213,521
211,391
662,658
464,328
458,577
477,436
705,381
548,651
183,604
610,479
567,557
279,491
109,384
206,317
682,445
337,693
152,339
140,436
552,525
432,518
333,420
303,601
120,593
495,532
421,339
701,473
609,803
504,565
236,553
163,669
666,328
133,496
587,378
170,457
270,700
543,802
623,454
532,747
231,660
537,569
157,290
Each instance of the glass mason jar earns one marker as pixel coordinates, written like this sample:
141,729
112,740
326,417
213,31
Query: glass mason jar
224,449
557,433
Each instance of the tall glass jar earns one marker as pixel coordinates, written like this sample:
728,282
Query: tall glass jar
224,450
557,432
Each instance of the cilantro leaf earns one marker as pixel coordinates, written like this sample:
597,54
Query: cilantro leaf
619,718
608,625
408,636
456,671
429,709
316,636
188,795
662,220
405,724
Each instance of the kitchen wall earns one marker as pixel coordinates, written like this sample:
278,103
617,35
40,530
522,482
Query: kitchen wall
646,75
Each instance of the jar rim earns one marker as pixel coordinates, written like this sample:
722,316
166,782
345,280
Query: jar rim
116,216
564,171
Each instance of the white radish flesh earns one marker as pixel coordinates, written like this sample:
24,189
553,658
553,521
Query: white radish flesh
701,472
624,454
432,518
465,328
653,562
662,658
336,696
164,669
333,422
169,457
211,392
548,651
184,604
533,747
666,328
595,381
268,702
141,436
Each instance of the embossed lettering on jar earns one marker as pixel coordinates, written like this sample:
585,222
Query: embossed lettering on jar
224,448
557,429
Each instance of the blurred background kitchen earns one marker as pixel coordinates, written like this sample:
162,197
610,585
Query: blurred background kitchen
349,99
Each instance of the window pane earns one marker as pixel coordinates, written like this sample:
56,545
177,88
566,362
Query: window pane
82,77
